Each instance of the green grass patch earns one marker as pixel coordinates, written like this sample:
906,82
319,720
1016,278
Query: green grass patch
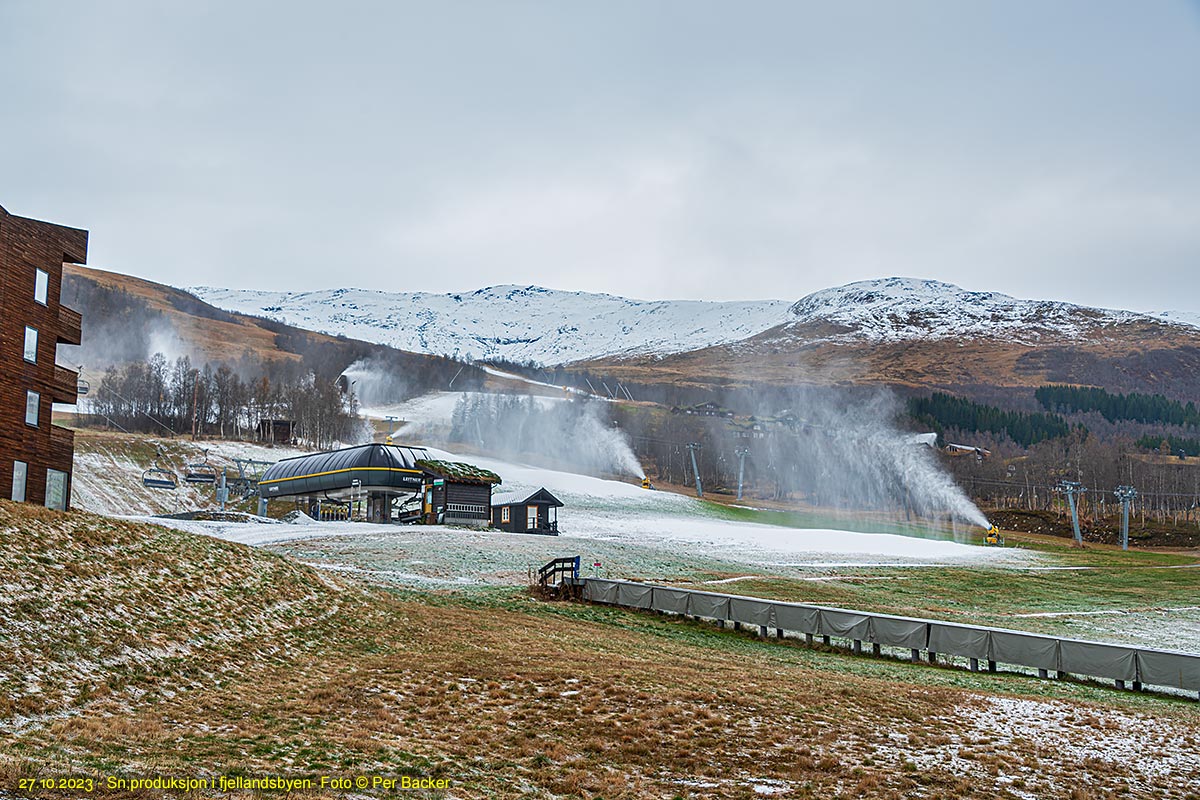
830,520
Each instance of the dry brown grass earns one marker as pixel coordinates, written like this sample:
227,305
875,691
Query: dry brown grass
503,700
214,339
798,355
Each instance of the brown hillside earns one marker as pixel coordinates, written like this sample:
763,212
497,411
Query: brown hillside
127,319
1138,356
210,334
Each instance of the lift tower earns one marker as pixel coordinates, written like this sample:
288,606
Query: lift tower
692,448
741,453
1070,489
1126,495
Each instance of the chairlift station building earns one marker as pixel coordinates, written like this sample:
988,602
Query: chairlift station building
391,483
35,455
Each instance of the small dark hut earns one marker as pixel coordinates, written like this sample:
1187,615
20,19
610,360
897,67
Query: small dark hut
278,431
456,493
708,409
525,512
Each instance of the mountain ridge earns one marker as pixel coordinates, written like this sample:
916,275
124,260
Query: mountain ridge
550,326
515,323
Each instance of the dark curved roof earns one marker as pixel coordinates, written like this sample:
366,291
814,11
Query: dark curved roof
378,466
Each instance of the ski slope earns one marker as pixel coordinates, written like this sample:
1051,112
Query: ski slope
620,525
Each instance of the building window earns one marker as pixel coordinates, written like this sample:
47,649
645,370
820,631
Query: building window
530,518
505,514
31,344
32,400
20,470
41,285
56,489
552,515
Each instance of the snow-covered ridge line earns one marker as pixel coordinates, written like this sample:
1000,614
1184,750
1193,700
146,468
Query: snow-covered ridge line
519,323
548,326
902,309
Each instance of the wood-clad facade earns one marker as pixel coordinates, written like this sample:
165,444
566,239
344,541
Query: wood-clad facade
526,512
35,455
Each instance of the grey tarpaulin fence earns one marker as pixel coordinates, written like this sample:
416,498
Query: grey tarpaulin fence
1121,663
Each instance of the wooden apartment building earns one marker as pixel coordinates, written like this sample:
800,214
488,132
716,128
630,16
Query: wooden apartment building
35,455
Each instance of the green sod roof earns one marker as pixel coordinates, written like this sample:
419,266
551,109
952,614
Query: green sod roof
458,471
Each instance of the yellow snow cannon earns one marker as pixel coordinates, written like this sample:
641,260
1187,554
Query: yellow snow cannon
993,537
646,484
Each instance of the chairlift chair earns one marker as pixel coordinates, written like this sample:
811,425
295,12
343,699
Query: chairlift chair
200,471
82,387
158,478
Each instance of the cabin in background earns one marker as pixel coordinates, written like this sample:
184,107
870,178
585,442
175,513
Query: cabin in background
279,431
526,512
457,493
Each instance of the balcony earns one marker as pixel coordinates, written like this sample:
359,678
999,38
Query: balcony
62,447
65,388
70,326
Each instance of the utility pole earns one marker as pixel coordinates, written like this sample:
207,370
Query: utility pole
692,448
1070,489
1125,494
741,453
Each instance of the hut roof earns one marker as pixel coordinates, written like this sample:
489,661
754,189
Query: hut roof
458,471
521,498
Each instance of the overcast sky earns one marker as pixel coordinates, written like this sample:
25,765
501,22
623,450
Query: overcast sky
653,149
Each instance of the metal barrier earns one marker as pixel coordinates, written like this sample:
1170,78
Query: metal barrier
1123,664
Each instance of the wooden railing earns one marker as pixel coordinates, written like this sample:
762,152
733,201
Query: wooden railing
558,569
70,326
66,385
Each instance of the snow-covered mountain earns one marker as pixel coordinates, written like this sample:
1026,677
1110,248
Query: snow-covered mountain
547,326
518,323
1191,318
900,309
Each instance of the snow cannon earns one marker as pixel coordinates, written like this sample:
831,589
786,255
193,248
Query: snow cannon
646,484
993,537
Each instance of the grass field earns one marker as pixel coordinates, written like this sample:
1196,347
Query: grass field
1098,592
143,651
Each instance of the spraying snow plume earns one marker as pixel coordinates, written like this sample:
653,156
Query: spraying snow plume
850,453
374,384
567,433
